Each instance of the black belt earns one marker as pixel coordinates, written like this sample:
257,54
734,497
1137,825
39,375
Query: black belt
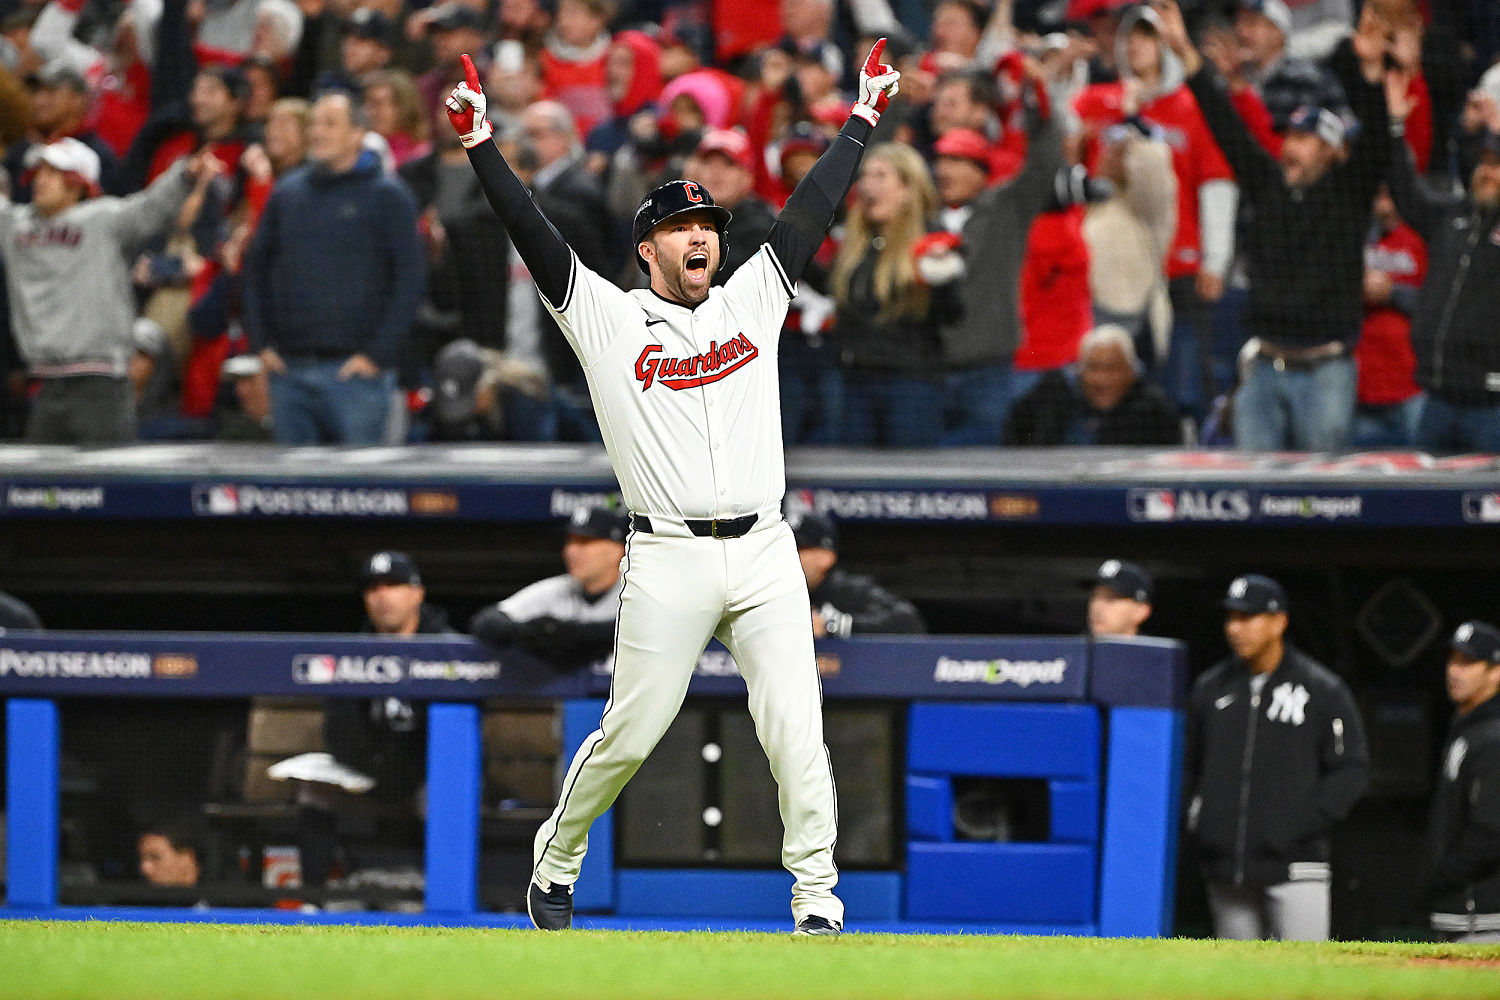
732,527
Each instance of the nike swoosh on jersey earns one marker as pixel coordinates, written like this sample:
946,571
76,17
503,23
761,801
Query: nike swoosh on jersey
652,322
1225,701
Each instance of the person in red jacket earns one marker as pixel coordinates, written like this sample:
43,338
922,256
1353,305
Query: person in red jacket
573,61
1389,401
1151,88
1056,307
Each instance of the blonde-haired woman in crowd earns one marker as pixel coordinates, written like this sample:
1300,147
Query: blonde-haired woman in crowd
890,301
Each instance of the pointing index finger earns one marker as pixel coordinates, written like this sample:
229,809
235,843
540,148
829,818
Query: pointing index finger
872,64
471,75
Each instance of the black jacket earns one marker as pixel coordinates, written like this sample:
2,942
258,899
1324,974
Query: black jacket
1462,870
909,345
1045,416
1267,776
861,606
1453,330
385,738
1304,247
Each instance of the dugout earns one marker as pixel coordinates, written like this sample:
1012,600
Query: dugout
1382,554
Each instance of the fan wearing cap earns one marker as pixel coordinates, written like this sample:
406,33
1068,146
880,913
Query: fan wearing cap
568,619
366,47
845,604
724,164
1264,59
1119,599
72,308
1275,759
60,105
481,394
1304,245
1453,326
375,744
1461,870
685,384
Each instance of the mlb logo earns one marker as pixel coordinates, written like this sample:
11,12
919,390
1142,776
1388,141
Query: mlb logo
1152,505
216,500
315,669
1483,508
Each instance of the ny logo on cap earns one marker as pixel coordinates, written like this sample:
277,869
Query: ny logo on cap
1465,633
1111,568
580,516
1238,587
380,563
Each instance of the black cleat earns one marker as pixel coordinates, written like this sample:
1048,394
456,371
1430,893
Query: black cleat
551,909
816,926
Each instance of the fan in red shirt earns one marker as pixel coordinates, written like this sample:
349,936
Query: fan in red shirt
1389,399
573,61
1151,88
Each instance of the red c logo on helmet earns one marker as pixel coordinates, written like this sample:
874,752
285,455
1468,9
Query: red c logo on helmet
693,194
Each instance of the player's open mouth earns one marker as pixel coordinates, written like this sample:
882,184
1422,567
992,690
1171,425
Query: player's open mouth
697,265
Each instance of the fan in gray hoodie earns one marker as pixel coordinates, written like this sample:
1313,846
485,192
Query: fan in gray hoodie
71,303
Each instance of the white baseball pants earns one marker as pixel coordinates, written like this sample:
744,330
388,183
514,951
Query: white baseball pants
1289,911
751,594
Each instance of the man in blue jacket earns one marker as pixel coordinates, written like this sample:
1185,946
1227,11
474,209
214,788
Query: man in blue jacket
333,281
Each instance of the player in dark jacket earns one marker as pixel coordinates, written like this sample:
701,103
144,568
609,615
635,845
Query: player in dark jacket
1462,870
1275,757
844,604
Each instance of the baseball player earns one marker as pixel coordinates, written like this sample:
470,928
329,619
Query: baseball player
684,380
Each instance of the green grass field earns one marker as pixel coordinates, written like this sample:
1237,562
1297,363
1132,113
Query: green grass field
121,961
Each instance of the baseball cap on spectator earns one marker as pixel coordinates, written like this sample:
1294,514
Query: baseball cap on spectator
148,336
453,16
1253,594
804,136
59,73
1321,122
1272,10
73,158
456,370
964,144
1477,641
816,532
390,566
599,522
1126,579
241,366
371,24
729,143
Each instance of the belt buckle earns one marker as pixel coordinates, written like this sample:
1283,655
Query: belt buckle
713,528
1278,362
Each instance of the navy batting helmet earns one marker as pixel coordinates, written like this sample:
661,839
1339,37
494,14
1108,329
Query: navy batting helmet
675,198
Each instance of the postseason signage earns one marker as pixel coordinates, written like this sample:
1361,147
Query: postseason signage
166,666
968,669
63,664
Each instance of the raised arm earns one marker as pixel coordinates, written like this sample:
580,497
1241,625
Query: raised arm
540,245
800,227
1253,166
1422,206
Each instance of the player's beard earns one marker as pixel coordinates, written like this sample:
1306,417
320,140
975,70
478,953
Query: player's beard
674,278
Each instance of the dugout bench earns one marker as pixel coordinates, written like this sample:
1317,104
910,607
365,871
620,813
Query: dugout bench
1098,725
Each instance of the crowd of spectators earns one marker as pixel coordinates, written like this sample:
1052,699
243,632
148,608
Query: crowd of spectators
1096,222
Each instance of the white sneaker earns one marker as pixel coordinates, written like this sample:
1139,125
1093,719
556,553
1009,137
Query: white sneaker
322,768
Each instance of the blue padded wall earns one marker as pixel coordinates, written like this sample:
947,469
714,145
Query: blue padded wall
1011,740
1014,883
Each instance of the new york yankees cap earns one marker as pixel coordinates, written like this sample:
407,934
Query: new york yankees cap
1477,640
1126,579
599,522
1253,594
814,531
390,566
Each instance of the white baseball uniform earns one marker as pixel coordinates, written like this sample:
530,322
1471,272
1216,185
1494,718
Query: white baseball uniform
688,404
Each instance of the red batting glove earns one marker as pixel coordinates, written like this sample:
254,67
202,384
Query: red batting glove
465,106
878,83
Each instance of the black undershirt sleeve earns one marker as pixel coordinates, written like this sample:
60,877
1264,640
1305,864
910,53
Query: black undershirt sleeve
802,224
537,241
